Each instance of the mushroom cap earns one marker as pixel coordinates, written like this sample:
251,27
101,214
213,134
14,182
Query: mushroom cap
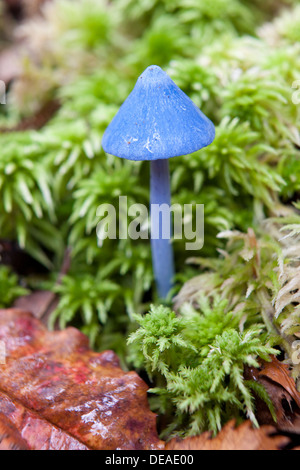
157,121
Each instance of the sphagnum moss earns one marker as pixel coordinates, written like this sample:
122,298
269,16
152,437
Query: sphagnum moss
235,290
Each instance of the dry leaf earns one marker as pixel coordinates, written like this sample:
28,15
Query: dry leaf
281,388
61,395
279,372
243,437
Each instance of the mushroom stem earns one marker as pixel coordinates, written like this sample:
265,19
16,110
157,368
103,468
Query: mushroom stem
161,231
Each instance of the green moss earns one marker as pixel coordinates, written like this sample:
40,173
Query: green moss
198,358
237,60
10,289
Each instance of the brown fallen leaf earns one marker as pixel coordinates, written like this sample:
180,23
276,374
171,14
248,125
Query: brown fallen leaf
243,437
281,388
61,394
37,432
279,372
10,438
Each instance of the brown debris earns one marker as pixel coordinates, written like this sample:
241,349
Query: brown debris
281,388
243,437
60,393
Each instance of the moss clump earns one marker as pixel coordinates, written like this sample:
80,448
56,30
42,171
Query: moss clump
197,360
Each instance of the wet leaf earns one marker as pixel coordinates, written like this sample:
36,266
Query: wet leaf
60,394
10,438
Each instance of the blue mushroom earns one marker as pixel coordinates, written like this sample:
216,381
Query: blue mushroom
158,121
